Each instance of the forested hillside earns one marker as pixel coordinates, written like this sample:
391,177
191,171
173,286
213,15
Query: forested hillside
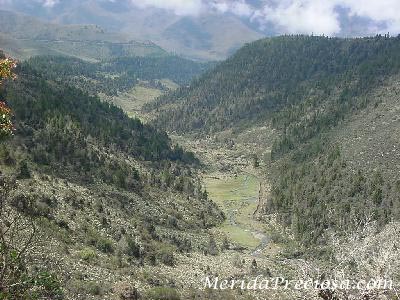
270,75
346,177
308,90
101,191
117,75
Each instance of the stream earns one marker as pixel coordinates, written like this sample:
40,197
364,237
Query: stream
237,196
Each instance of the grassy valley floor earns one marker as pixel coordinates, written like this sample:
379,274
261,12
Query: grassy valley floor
244,246
237,197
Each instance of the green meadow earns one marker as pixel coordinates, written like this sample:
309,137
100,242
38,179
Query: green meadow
237,197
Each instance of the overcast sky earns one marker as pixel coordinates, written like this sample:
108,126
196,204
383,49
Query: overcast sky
296,16
329,17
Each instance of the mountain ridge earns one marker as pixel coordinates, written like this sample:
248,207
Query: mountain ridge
24,36
227,32
303,90
104,193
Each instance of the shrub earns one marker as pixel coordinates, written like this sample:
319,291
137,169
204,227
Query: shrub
133,248
212,247
163,293
166,256
6,126
105,245
6,71
93,288
23,170
87,254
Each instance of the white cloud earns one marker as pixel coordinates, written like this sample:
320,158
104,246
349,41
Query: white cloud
238,7
49,3
196,7
293,16
179,7
283,16
321,16
301,16
241,8
221,7
44,3
386,11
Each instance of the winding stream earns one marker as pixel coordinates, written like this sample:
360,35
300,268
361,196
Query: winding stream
237,196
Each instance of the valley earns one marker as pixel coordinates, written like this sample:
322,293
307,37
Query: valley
142,175
233,184
208,37
145,92
237,197
117,206
305,125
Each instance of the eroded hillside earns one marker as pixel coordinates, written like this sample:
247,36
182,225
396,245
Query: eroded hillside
319,116
105,193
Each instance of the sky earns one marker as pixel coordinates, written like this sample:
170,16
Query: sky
296,16
328,17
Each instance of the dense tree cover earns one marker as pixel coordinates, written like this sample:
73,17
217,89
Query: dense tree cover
64,129
314,189
78,73
303,86
116,75
176,68
122,189
315,194
283,79
59,105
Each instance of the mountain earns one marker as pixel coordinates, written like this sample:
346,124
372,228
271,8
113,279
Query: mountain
23,36
325,103
102,192
208,36
266,77
128,82
98,205
211,36
117,75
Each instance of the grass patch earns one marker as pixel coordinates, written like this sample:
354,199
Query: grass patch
237,197
87,254
162,293
132,101
240,236
241,187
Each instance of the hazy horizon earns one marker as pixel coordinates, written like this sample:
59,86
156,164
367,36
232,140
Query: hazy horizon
270,17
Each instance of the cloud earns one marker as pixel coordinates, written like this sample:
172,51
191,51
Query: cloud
240,7
317,16
294,16
307,16
221,7
49,3
329,17
378,11
179,7
196,7
44,3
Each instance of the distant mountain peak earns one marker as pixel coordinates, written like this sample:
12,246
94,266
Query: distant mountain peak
207,36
